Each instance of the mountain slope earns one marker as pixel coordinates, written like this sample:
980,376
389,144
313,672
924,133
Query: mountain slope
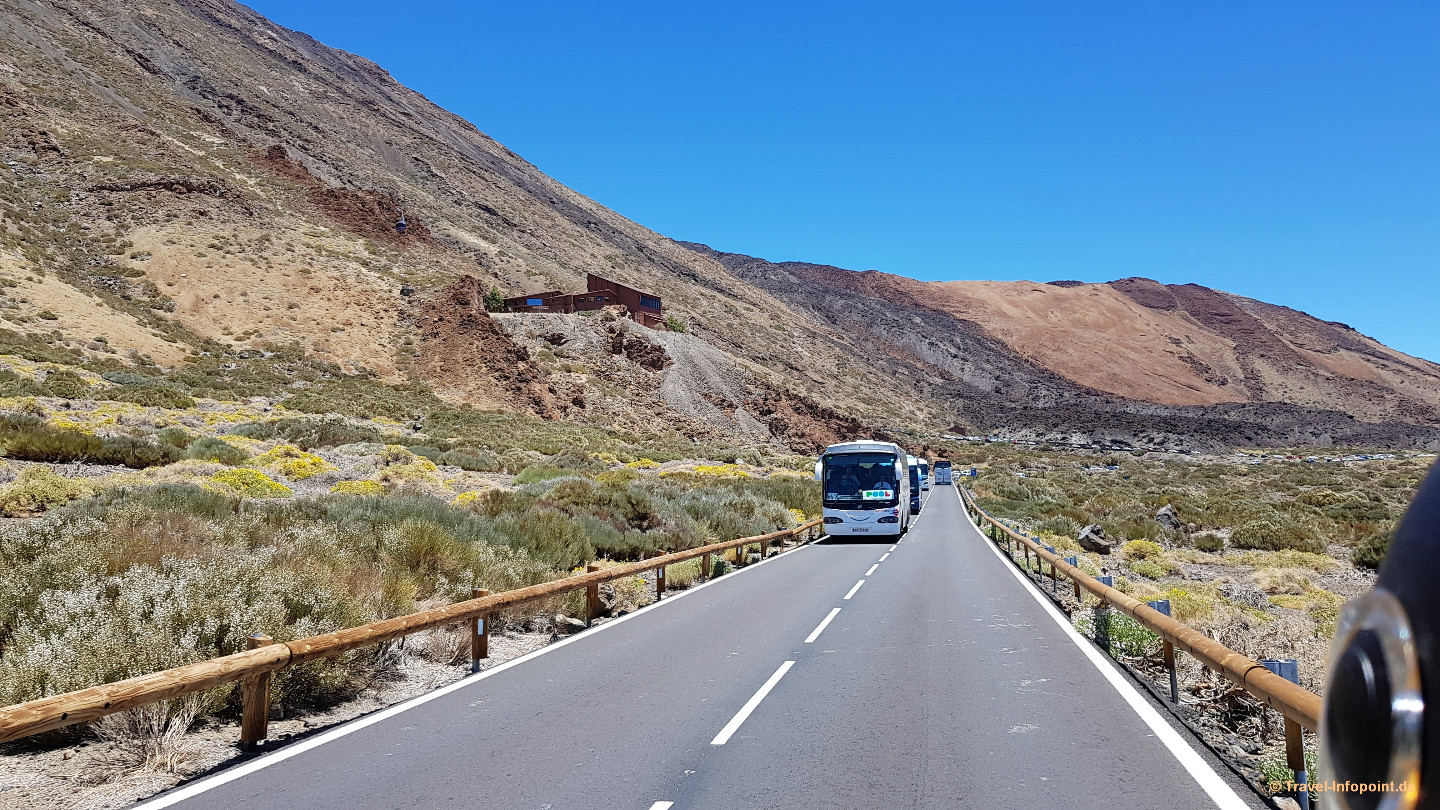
186,182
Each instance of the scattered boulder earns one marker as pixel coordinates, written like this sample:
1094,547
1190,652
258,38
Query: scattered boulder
1092,538
1166,517
565,624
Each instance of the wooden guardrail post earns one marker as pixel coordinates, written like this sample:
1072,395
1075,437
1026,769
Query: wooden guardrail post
659,583
255,701
479,634
592,597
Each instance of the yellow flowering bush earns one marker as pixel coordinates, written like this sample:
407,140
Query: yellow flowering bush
359,488
249,483
399,464
643,464
721,470
291,462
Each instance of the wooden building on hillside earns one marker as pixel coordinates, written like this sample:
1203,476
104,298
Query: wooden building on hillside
599,293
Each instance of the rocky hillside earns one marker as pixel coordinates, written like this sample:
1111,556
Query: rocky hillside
1130,360
186,183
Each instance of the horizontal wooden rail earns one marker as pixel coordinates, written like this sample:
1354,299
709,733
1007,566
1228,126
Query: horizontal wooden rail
1292,700
58,711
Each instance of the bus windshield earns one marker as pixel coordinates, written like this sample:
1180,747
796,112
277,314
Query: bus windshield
860,480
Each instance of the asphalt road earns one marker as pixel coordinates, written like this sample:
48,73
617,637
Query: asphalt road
941,682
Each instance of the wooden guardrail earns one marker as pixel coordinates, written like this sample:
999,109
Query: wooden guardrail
254,667
1299,706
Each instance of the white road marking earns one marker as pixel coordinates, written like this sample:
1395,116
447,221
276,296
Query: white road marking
734,724
662,805
295,749
892,548
817,631
1198,768
854,589
872,569
883,556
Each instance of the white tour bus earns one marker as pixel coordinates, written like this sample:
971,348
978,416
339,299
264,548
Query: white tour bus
866,488
924,475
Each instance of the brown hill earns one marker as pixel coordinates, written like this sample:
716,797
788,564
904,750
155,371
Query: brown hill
1136,359
188,180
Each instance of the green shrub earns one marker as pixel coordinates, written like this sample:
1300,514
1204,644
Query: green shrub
1149,569
209,448
1210,542
13,385
1371,551
674,324
150,396
1275,533
39,488
66,383
174,436
30,439
308,433
536,473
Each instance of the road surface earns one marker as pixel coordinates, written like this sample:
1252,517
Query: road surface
940,682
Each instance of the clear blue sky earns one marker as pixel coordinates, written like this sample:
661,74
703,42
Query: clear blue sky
1288,151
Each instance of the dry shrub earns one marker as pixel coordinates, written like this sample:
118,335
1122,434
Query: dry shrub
1282,580
151,738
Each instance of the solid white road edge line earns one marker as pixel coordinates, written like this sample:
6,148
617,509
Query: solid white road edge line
1209,781
872,569
295,749
814,634
734,724
854,589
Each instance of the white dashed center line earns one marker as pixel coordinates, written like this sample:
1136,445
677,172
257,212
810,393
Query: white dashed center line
854,589
662,805
883,556
818,630
734,724
872,569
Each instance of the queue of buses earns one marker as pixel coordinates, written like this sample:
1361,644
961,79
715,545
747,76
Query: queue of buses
873,488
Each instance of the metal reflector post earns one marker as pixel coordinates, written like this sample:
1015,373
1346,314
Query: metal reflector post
1102,616
659,583
1167,649
1054,575
1289,669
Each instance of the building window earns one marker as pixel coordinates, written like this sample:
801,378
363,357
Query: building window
534,302
647,301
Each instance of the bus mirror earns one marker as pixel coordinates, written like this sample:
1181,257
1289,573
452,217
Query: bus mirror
818,466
